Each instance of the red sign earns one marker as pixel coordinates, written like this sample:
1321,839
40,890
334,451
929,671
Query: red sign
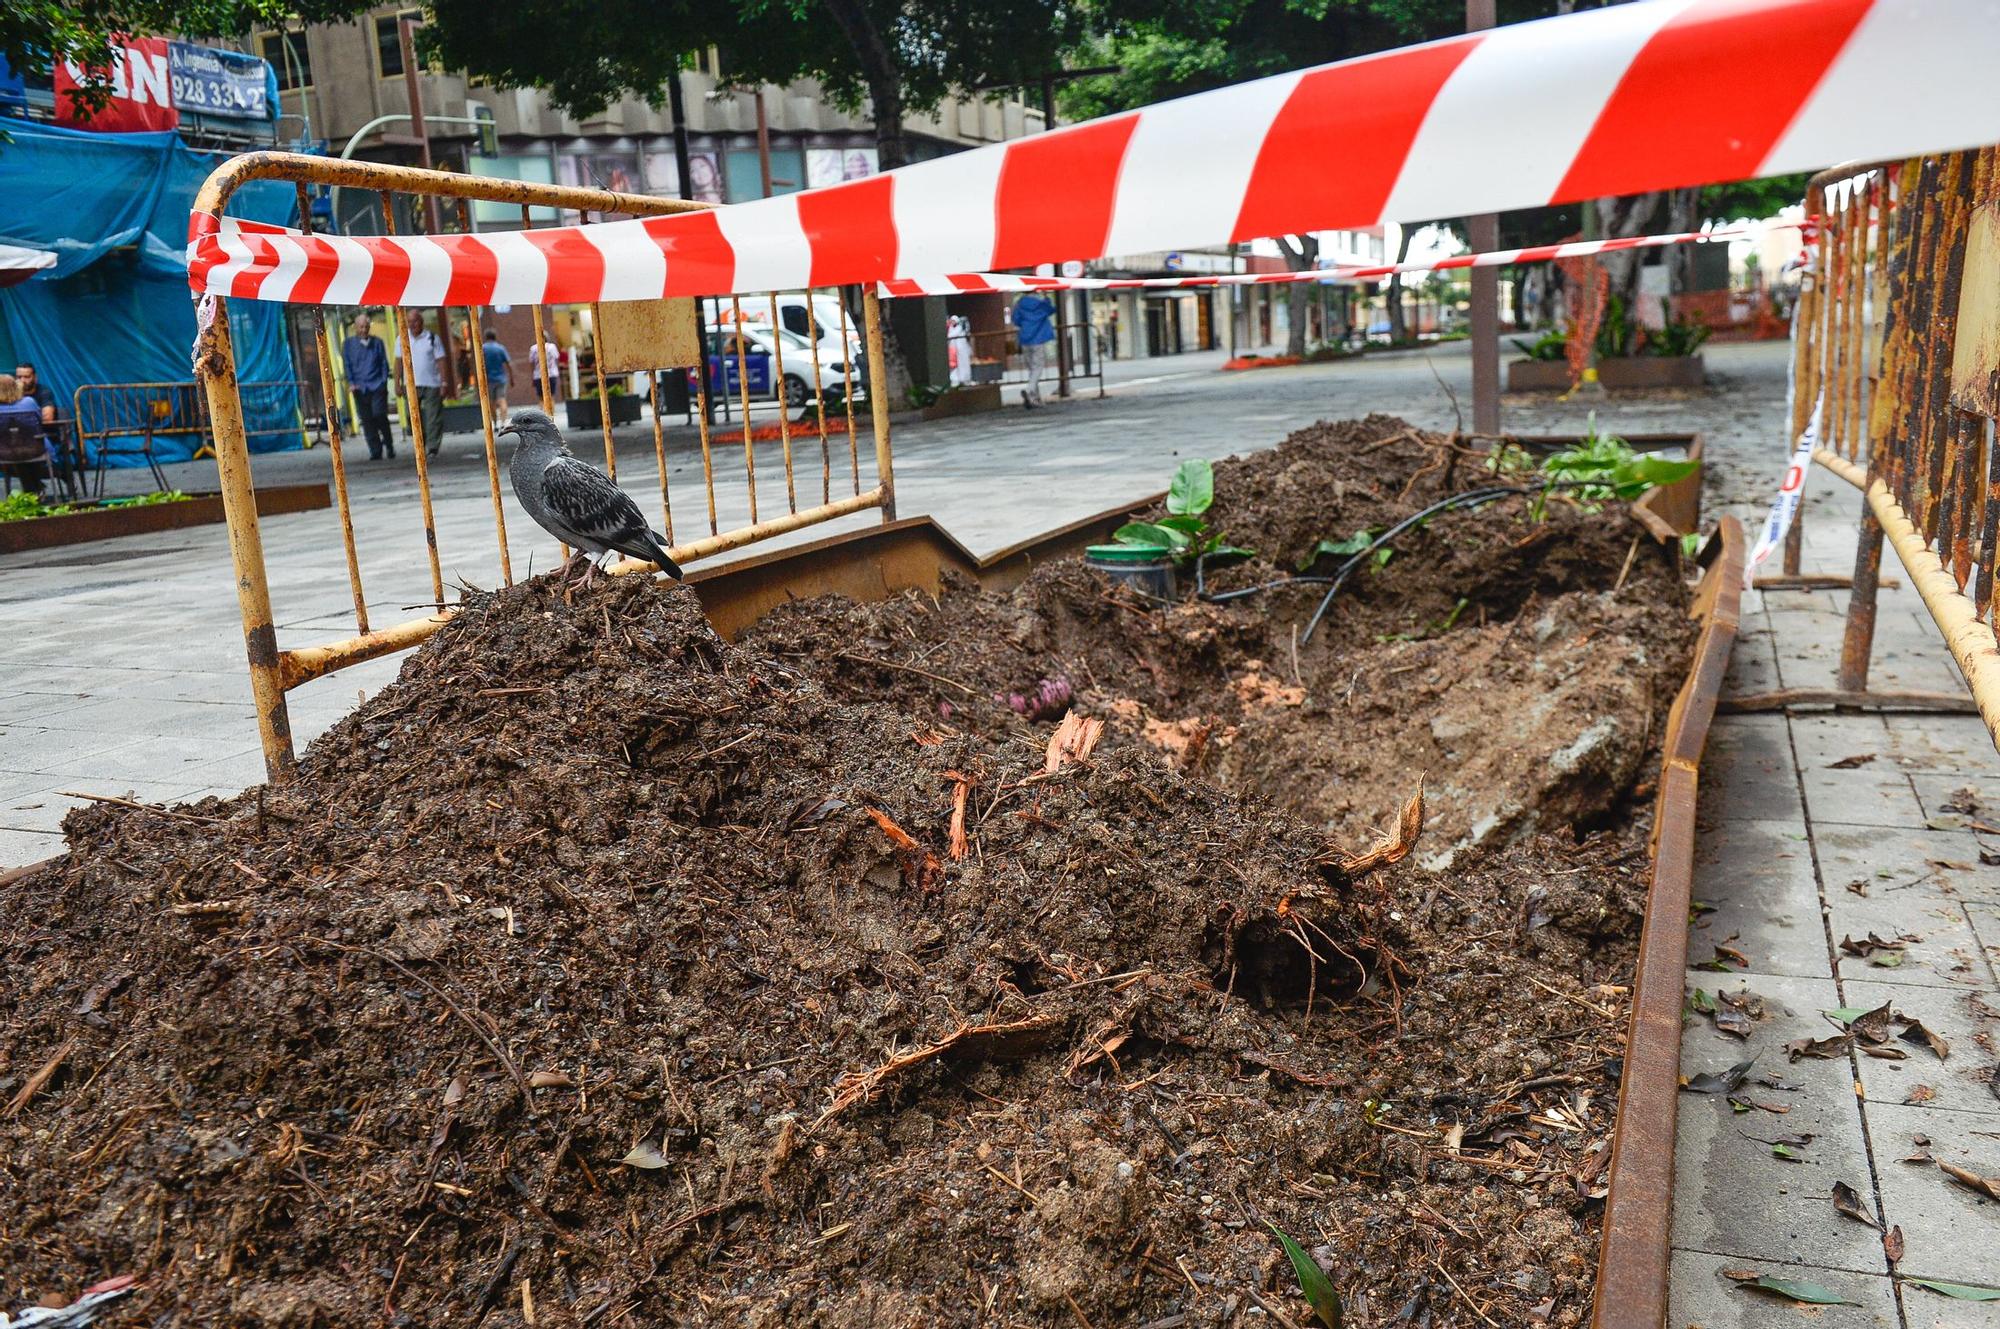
141,91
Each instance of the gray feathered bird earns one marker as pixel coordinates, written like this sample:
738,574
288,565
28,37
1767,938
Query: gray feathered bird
574,501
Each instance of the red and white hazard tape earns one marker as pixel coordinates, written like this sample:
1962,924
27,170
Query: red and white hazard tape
1616,100
962,283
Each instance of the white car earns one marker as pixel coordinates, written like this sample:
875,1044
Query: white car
762,345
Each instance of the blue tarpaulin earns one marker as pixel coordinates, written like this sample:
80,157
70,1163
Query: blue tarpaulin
114,209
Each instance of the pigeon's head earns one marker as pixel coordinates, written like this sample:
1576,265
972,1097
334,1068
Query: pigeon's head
531,426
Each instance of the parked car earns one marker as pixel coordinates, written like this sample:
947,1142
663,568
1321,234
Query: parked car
824,318
761,345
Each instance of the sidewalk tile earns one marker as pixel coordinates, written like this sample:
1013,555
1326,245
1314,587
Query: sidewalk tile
1860,797
1924,1309
1822,739
1980,792
1940,948
1986,927
1940,1218
1699,1295
1758,878
1963,1081
1746,771
1732,1194
20,848
1947,743
1895,864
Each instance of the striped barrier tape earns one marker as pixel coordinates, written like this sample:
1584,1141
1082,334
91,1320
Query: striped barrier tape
962,283
1617,100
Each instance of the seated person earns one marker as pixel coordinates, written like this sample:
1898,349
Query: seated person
17,409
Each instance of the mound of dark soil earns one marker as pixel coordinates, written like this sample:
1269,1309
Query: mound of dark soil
600,972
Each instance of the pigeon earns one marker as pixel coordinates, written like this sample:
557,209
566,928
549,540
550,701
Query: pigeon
575,502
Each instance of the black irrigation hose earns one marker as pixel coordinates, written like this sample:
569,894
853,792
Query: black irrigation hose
1465,502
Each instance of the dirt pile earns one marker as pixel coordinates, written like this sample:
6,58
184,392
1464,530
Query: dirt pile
600,972
1525,665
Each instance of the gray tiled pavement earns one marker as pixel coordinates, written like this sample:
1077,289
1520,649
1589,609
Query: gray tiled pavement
1796,854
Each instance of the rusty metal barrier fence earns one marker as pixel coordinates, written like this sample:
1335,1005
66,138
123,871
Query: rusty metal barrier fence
648,326
1897,354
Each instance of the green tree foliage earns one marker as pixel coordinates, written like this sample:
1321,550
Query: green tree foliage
891,57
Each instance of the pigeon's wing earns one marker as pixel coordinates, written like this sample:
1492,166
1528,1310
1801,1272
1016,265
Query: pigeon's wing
593,509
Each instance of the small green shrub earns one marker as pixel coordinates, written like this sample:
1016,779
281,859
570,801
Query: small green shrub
1553,344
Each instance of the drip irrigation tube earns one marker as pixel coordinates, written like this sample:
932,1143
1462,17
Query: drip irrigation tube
1468,501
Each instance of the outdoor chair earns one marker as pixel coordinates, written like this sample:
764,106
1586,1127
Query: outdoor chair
145,449
22,455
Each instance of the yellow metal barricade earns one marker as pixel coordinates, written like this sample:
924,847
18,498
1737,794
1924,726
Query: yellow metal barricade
275,671
1897,353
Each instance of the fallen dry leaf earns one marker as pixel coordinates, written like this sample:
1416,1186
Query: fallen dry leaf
1920,1093
1917,1033
1892,1244
1393,849
1987,1186
1847,1202
1818,1047
1849,763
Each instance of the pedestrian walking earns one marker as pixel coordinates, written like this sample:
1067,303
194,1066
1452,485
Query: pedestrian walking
544,362
427,356
499,369
958,340
367,364
1034,320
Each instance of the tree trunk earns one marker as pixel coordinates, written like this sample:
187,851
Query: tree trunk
1682,205
1394,290
1301,255
1621,217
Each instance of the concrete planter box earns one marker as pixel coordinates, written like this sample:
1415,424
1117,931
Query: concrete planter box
583,413
465,420
1653,371
1537,375
18,537
970,400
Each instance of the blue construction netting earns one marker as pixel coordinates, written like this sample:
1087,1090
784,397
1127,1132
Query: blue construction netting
114,209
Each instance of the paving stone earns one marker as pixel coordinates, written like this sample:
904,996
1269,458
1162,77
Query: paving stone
1924,1309
1942,1220
1860,797
1935,789
1943,743
1963,1081
1823,738
1700,1297
1892,863
1746,771
1758,878
1986,927
20,848
1944,951
1731,1193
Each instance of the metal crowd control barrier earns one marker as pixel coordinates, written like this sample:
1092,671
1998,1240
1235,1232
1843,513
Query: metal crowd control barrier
1898,353
159,410
1075,355
273,672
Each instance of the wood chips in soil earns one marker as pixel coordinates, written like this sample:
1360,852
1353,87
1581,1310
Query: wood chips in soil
601,972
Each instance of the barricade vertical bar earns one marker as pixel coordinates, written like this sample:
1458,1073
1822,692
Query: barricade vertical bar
819,402
743,387
784,397
603,394
217,367
878,402
541,339
660,453
1857,637
486,414
323,352
853,439
701,418
416,426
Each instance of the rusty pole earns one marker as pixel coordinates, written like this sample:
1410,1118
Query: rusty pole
1483,232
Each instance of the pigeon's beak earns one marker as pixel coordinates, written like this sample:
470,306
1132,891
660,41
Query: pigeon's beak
505,429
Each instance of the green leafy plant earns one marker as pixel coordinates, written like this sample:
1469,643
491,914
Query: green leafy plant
1349,547
1314,1285
1604,466
1675,336
925,394
1182,533
1553,344
1618,334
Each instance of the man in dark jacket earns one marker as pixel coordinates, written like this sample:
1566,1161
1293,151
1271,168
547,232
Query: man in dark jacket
367,363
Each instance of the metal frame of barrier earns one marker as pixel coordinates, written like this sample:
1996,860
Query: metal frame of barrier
1075,355
273,672
155,410
1878,333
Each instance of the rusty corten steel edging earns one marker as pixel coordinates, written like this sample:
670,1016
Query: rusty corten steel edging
1638,1215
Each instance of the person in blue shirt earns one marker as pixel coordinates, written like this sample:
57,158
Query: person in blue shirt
1034,320
16,409
367,362
499,372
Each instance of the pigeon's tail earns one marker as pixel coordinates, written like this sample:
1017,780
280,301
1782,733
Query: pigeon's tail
654,546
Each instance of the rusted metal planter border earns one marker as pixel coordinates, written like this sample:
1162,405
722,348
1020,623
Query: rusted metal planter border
1633,1257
